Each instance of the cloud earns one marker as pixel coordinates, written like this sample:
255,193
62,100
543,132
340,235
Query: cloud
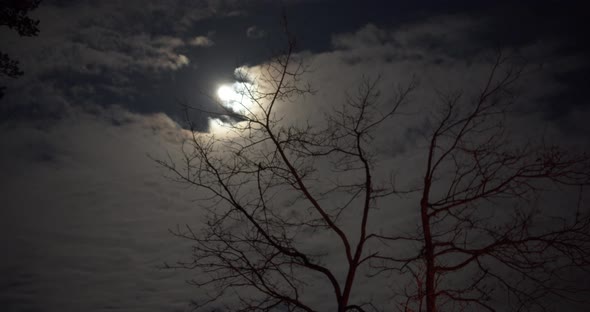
400,54
99,57
84,205
368,36
438,39
253,32
201,41
444,53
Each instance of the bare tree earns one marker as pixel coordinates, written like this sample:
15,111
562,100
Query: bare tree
266,195
483,236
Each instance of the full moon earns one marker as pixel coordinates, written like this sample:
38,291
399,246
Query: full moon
226,93
232,97
235,97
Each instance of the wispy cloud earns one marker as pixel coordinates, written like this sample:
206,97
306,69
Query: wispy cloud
254,32
201,41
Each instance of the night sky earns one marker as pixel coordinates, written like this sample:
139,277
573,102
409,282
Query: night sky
85,210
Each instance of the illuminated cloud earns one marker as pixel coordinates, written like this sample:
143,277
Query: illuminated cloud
201,41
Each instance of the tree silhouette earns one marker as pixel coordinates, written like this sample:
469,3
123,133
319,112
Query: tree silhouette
272,186
473,172
13,14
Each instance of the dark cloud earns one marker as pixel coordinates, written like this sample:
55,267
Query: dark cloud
254,32
114,40
105,54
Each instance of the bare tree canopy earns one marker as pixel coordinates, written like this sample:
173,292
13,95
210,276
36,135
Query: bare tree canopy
272,185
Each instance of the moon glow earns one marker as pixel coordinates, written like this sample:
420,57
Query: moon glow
226,93
235,97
